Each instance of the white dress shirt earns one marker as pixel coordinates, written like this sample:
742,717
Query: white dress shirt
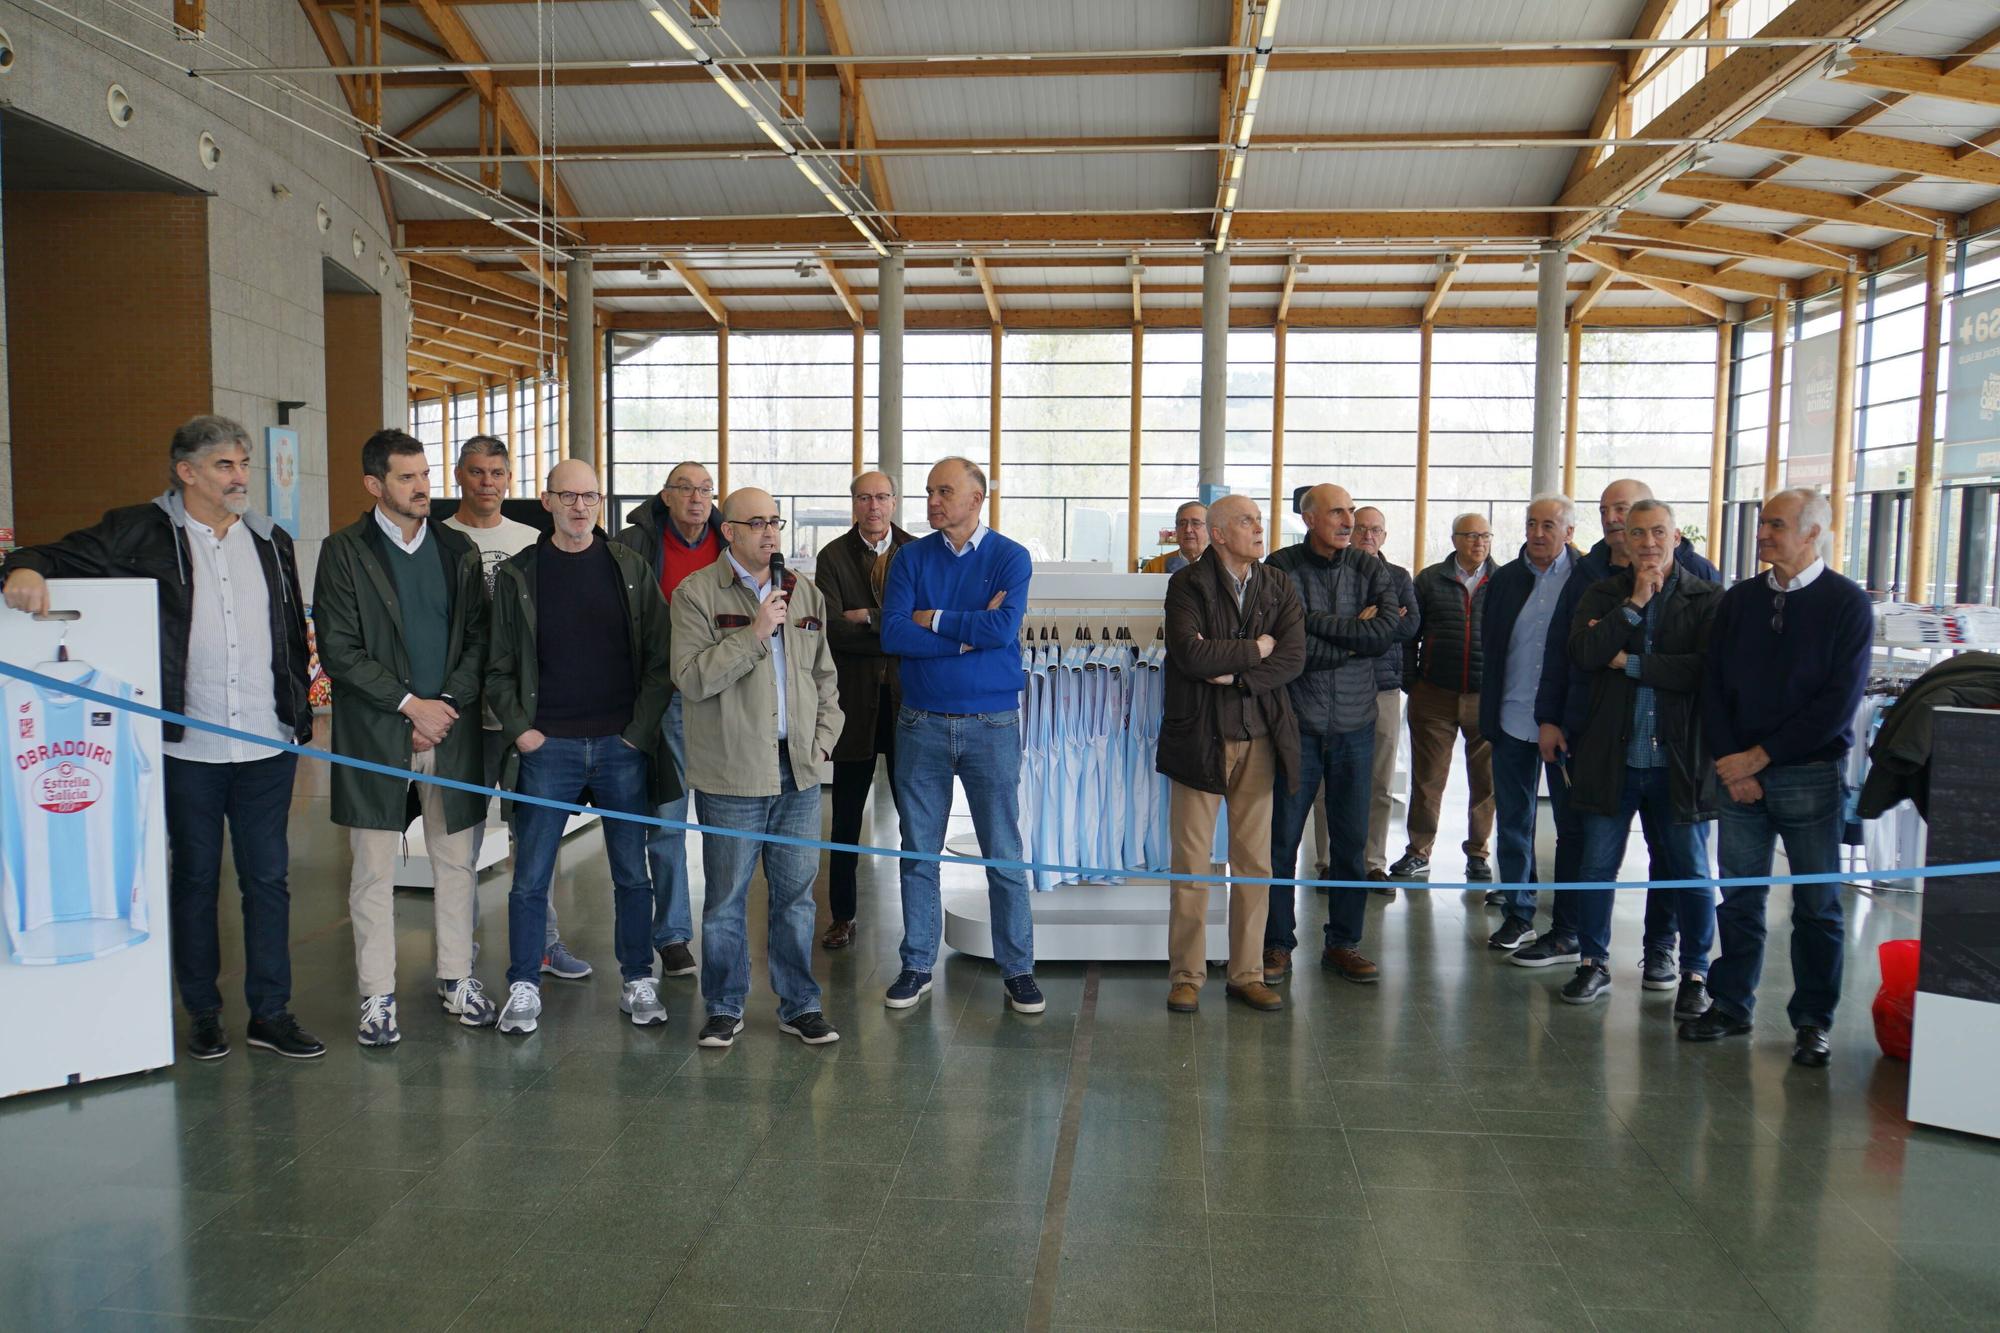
229,679
1799,580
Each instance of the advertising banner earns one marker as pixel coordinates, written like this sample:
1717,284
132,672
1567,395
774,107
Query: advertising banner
1809,451
1972,404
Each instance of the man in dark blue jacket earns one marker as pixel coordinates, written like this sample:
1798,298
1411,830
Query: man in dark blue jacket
1559,716
1520,608
1371,533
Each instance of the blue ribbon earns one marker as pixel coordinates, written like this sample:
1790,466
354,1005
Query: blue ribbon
58,685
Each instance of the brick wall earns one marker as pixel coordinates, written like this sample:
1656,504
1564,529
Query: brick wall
108,307
353,400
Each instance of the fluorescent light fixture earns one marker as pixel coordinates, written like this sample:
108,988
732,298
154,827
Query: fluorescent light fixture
1236,166
728,85
1243,129
805,169
1270,22
1257,81
874,243
674,30
1229,197
839,203
771,133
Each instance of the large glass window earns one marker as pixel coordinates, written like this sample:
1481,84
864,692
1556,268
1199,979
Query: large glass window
1646,409
662,409
1065,423
1351,418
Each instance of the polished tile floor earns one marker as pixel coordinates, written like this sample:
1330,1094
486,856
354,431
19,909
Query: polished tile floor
1450,1149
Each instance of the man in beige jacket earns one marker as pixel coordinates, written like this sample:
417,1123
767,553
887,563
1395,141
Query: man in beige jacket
762,712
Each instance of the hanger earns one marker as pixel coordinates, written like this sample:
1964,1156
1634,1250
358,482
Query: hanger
65,619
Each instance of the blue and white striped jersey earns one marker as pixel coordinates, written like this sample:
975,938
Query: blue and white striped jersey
73,822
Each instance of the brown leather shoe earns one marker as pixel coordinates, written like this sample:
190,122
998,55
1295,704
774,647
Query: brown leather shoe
1277,965
1184,997
838,935
1258,996
1381,884
1351,966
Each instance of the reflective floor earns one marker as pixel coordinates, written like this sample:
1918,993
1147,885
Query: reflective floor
1452,1148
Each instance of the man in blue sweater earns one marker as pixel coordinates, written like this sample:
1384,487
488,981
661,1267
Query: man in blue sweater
951,610
1788,662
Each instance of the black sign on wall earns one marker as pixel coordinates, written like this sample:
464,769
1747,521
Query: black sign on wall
1961,955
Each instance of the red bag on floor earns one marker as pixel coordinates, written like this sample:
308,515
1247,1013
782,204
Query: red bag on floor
1896,1003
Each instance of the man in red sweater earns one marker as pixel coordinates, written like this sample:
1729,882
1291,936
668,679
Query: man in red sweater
678,532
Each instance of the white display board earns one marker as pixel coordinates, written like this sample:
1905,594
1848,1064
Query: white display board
85,974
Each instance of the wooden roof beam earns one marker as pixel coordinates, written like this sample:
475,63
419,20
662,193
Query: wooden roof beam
833,26
1284,296
1916,76
699,291
1820,204
1185,317
986,289
1444,282
1874,150
1598,286
841,289
1664,233
523,293
1674,270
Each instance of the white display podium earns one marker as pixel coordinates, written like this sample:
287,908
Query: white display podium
99,1002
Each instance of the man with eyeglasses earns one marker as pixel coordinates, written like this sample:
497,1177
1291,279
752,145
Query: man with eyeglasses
577,672
1442,670
851,572
1190,540
1787,664
1371,534
678,532
752,659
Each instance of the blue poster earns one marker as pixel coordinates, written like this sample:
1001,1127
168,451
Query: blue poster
281,467
1972,405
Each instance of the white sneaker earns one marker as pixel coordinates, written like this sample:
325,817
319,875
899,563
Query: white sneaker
524,1006
641,999
469,1000
378,1021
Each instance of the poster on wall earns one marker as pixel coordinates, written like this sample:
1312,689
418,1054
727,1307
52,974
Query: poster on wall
1809,451
281,462
1972,402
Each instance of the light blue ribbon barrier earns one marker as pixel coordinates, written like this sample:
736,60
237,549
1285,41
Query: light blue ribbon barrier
59,686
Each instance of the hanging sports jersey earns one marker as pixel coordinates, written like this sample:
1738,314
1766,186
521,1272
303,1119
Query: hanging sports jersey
72,823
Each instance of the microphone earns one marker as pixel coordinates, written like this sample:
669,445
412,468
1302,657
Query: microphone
777,574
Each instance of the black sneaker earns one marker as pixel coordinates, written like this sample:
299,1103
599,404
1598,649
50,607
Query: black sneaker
1713,1026
1478,870
1591,982
1411,867
282,1033
811,1028
1812,1048
206,1039
1023,995
1693,1001
719,1030
1548,951
676,961
1513,934
907,989
1658,971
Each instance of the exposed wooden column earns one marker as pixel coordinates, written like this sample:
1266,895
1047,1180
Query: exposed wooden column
993,435
1423,443
1781,319
533,456
721,414
561,423
1135,449
513,440
485,393
1718,447
1923,496
600,389
1570,407
450,400
1274,520
1843,416
860,397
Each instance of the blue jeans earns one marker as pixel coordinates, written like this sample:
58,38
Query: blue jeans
1647,793
255,798
727,865
1805,804
666,848
1343,761
1517,777
984,751
563,769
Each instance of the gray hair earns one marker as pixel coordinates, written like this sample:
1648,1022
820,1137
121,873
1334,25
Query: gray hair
873,472
484,446
1187,505
972,470
196,437
1561,501
1646,505
1470,513
1814,511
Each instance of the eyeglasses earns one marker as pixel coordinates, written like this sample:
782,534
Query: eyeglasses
1191,524
1469,536
870,497
588,499
683,488
758,524
1373,530
1777,613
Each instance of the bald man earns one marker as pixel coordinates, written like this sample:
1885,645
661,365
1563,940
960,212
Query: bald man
577,674
851,572
1351,619
752,661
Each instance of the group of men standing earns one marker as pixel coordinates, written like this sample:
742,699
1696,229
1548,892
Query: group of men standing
1624,677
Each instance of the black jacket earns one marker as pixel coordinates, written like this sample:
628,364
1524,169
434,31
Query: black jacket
843,576
1446,652
1900,759
649,521
1673,670
1208,637
1505,597
1335,694
149,541
1409,623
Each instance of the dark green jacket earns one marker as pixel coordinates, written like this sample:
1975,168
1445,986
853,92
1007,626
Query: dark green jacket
360,637
513,681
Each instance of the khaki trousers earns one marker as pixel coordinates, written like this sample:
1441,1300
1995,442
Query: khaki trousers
1438,717
1381,777
1251,770
371,893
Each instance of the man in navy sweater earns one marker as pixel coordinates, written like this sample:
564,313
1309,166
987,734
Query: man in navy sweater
952,611
1786,668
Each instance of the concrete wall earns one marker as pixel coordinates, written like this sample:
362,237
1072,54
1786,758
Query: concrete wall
265,249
